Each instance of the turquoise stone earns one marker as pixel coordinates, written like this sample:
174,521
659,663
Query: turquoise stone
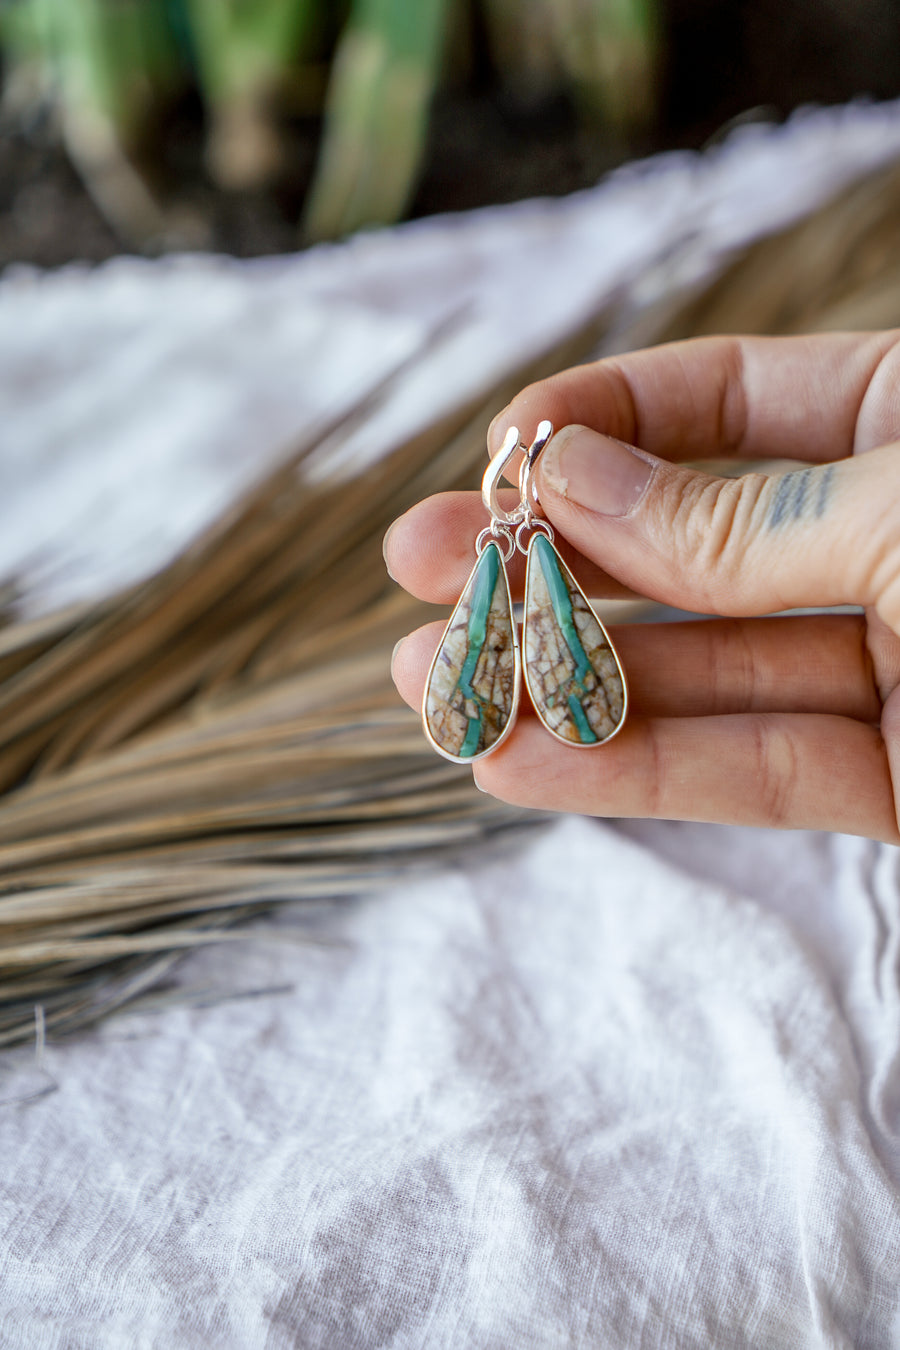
472,688
573,674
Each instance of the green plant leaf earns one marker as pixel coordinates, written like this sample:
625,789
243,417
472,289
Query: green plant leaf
376,116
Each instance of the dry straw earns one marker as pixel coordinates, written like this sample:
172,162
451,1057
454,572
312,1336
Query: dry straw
225,736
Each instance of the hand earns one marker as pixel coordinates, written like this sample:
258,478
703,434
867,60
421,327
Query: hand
789,721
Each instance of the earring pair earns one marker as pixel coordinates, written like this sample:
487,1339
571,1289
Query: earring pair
573,675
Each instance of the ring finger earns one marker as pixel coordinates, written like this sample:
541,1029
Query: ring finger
717,666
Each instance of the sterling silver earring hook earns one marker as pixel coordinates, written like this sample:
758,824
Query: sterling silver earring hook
493,477
573,674
527,489
524,510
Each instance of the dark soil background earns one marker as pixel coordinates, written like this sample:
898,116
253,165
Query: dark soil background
758,58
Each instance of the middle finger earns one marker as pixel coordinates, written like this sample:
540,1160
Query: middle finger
815,663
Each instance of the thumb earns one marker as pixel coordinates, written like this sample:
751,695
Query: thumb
825,535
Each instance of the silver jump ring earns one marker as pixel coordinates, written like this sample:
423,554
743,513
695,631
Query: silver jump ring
496,533
536,524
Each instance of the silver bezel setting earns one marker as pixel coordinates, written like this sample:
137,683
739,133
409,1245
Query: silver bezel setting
564,740
517,666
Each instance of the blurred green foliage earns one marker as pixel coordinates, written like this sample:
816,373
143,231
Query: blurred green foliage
369,68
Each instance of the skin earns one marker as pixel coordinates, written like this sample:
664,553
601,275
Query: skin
791,722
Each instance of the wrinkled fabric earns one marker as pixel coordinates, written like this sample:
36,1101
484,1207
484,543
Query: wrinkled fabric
139,397
629,1086
575,1091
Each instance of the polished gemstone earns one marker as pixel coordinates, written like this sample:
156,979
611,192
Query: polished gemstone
573,674
472,689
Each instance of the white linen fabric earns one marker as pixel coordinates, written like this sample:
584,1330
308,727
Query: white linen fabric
631,1085
137,398
577,1091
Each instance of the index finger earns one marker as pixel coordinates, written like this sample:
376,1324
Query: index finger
821,397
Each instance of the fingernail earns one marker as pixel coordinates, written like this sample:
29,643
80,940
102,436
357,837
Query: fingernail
384,554
494,438
397,646
479,787
595,471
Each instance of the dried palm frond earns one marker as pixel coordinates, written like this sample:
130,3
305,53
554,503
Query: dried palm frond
225,735
837,268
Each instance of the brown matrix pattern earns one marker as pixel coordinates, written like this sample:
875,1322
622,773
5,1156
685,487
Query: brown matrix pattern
471,691
579,694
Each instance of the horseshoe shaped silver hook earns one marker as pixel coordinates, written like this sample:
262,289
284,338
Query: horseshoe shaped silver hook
497,467
493,475
527,490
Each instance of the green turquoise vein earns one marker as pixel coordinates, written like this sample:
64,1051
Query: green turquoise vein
483,586
561,601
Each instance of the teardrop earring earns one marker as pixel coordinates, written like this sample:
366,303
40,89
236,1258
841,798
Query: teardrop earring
472,691
573,673
574,677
